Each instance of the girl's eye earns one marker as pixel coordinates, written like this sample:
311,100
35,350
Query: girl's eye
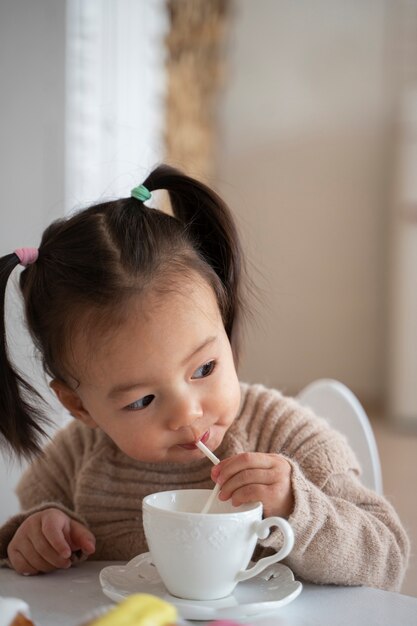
204,370
142,403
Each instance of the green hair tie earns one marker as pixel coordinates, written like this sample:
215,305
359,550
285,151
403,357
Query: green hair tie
141,193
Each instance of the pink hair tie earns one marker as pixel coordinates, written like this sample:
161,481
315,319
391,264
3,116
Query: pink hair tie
27,256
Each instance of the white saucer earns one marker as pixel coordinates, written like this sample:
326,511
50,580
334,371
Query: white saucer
264,593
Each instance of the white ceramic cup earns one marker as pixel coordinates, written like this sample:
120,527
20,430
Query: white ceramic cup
202,556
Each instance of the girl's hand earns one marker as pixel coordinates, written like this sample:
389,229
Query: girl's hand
46,540
253,477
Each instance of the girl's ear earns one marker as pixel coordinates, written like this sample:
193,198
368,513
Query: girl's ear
72,402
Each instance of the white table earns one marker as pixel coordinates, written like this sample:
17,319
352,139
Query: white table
63,597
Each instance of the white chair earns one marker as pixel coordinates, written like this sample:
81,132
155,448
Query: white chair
336,403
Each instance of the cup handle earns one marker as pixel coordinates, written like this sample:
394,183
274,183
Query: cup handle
262,530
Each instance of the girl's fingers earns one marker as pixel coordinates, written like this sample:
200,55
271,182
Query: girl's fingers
37,560
19,563
275,500
26,560
81,538
39,544
245,478
239,462
54,527
252,477
50,556
250,493
251,467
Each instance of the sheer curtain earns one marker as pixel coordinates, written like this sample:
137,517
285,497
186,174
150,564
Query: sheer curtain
115,96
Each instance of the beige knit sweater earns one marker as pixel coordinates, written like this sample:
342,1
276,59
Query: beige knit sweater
344,533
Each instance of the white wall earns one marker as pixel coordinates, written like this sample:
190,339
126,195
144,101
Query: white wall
32,78
304,160
402,362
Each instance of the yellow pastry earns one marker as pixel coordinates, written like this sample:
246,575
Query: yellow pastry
140,609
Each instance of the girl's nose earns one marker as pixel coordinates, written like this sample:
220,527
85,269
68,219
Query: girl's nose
184,412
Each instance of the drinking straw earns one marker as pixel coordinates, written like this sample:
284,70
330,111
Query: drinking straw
213,458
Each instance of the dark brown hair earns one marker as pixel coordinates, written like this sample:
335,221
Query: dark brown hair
95,260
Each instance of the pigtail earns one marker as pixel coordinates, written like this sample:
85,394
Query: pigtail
211,228
20,428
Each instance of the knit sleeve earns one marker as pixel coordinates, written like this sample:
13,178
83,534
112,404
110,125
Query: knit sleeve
344,533
50,481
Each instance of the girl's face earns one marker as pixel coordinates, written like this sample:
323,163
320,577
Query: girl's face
164,379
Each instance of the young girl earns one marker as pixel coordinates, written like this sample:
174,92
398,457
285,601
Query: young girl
136,315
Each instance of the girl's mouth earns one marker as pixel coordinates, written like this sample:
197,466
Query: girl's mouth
192,446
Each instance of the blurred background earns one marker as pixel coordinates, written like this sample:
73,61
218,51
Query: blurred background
303,115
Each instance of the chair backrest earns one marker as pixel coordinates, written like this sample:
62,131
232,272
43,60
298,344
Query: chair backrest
336,403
